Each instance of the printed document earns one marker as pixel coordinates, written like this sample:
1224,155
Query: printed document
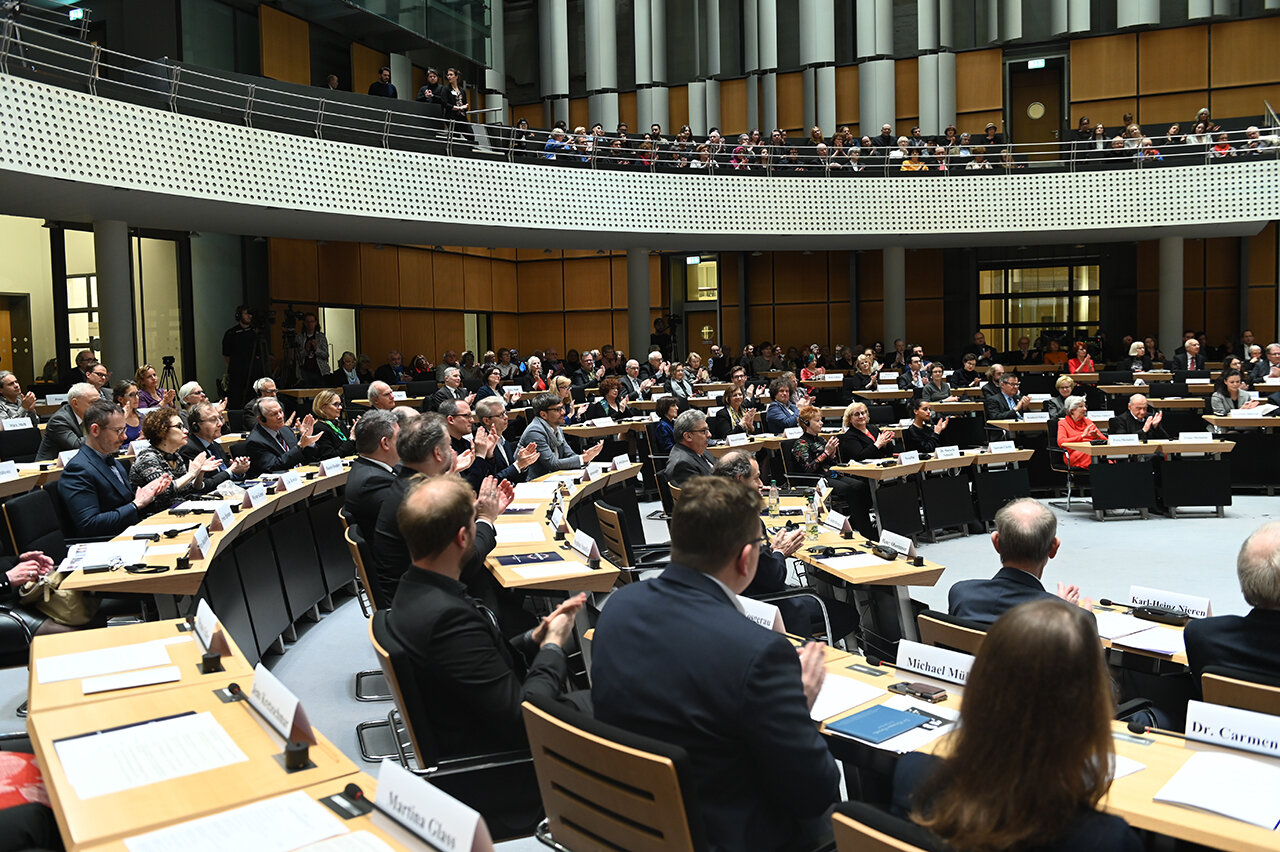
281,824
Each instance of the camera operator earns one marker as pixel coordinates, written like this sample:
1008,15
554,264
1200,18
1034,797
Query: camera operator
242,349
311,353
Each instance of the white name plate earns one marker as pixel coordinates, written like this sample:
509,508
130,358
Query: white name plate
737,439
289,480
222,517
429,812
512,390
619,462
1199,381
1233,727
13,424
280,707
951,452
205,622
1036,416
765,614
139,445
951,666
331,467
66,456
1196,437
55,399
889,376
1003,447
399,395
836,521
792,432
1124,440
909,457
900,543
1191,605
255,495
1099,416
8,471
199,543
601,421
585,545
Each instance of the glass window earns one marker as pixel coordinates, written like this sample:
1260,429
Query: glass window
702,279
1055,301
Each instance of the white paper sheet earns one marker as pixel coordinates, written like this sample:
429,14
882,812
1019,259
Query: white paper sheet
147,753
104,661
1161,640
536,490
356,841
854,561
103,553
129,680
168,549
279,824
519,533
1113,625
1239,787
552,569
839,694
1123,766
204,504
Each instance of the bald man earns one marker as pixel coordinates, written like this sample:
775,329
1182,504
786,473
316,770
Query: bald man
1138,420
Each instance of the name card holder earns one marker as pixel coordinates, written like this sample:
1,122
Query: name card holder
55,399
1035,416
428,812
586,547
209,632
737,439
512,390
1003,447
792,432
66,456
765,614
909,457
290,480
254,496
331,467
948,452
900,543
199,543
837,521
14,424
601,422
940,663
399,395
1233,727
1123,440
8,471
889,376
1192,605
283,712
136,447
1196,437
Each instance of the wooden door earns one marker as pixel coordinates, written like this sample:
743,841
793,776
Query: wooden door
1035,108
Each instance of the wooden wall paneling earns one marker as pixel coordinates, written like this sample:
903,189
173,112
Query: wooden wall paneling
451,332
505,331
870,322
1104,67
379,275
799,277
1156,112
1262,313
579,114
505,293
419,75
1173,60
1262,258
1244,101
418,335
1192,311
906,84
979,80
542,331
626,114
365,62
540,286
1193,264
567,253
791,103
733,106
760,279
1110,112
416,283
1148,314
729,278
503,254
588,329
1238,51
924,273
1149,265
695,321
659,298
838,325
476,251
477,282
870,276
339,274
446,271
292,269
284,47
924,323
1221,314
538,254
1221,262
847,95
677,110
729,329
974,123
587,283
621,336
618,281
379,333
759,324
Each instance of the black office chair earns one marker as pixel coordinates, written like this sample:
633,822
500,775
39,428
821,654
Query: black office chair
1115,377
864,827
34,524
424,388
796,477
20,445
654,471
1058,461
355,393
1164,390
628,554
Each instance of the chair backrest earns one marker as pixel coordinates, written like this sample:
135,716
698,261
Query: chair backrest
865,828
359,550
399,672
1115,377
676,493
944,631
20,445
1051,425
605,788
422,388
614,534
353,393
34,524
1244,690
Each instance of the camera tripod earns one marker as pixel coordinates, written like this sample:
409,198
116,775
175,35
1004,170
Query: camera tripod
168,376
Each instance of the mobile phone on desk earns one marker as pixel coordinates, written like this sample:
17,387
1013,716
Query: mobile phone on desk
923,691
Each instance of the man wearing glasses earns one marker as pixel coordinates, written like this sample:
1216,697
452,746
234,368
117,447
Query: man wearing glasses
689,456
1009,403
65,429
506,460
544,433
13,402
94,487
98,376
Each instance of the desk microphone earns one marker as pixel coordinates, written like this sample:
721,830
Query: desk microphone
1136,727
1159,614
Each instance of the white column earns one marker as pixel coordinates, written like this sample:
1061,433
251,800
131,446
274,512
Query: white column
895,293
1170,292
659,110
553,36
876,96
602,62
697,109
936,67
402,70
1004,20
1137,13
1071,16
115,295
638,302
751,62
495,76
767,56
712,101
818,52
711,70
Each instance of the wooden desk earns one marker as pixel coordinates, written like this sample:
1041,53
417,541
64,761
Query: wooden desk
878,473
709,387
1266,423
1180,403
308,393
894,394
185,655
647,405
586,431
29,480
964,393
1037,368
1017,426
824,383
83,822
961,407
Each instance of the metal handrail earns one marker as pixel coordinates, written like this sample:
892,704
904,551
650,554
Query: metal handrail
59,60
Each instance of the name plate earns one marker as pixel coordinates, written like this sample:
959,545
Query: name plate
1199,381
889,376
428,812
13,424
619,462
512,390
951,666
208,632
1038,397
1191,605
1036,417
55,399
1003,447
1124,440
8,471
222,517
66,456
1246,412
598,469
765,614
951,452
136,447
289,480
737,439
255,496
199,543
280,707
836,521
399,395
900,543
585,545
557,519
331,467
1233,727
653,416
833,376
822,489
792,432
909,457
1196,437
1268,380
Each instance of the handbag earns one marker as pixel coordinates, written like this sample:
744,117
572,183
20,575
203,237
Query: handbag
71,607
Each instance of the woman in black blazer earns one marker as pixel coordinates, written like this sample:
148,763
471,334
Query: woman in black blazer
735,416
1137,360
335,440
862,441
453,94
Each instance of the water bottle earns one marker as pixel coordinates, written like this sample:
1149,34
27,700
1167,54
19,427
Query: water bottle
773,496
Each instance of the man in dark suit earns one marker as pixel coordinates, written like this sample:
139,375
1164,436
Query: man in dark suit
451,389
1245,642
393,372
1023,355
1268,367
547,413
588,375
718,364
94,487
632,385
1136,422
474,678
506,459
65,429
1190,358
1026,538
689,456
914,377
272,446
373,469
1008,403
675,659
204,422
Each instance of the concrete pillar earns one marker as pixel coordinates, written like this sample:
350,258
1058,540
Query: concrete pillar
767,57
495,76
553,53
638,303
1170,293
937,67
1138,13
712,101
1004,20
895,293
818,57
1069,16
876,96
602,62
119,350
751,62
402,75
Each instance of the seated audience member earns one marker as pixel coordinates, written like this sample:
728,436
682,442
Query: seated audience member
125,394
674,659
1190,359
562,387
449,358
1024,355
937,389
735,416
782,413
94,487
533,380
1063,388
164,429
1247,643
503,459
738,377
986,354
394,371
334,441
348,372
634,387
451,388
811,369
547,414
677,385
264,388
420,370
689,456
612,402
1137,361
474,678
13,402
65,429
381,396
1081,361
76,372
967,376
718,364
1008,403
1054,354
862,440
1077,427
1269,367
1230,394
272,445
666,408
191,393
99,376
812,454
654,369
373,469
1134,421
204,426
491,382
588,373
150,394
992,386
998,782
1026,538
913,377
923,435
864,376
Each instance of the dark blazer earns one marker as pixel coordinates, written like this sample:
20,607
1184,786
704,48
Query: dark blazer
330,445
1126,424
907,379
502,462
474,680
921,438
61,433
1088,829
683,463
631,387
387,373
984,601
99,504
266,455
1260,371
1246,642
366,489
997,407
674,660
444,392
195,447
1179,362
855,446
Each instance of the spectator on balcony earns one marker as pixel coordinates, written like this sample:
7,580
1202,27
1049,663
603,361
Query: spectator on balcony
1203,117
523,141
1222,148
1199,136
454,96
886,141
901,153
913,163
1132,136
430,91
1081,138
1173,136
1118,154
383,87
963,151
979,161
331,82
991,137
557,144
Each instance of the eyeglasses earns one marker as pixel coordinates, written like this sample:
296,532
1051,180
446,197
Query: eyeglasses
123,430
177,426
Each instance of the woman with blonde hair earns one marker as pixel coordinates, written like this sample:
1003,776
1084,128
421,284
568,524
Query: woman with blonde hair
335,440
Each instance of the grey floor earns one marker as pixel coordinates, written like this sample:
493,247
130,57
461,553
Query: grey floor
1191,555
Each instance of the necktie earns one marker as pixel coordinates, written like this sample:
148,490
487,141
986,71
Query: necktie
115,468
1191,361
284,445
